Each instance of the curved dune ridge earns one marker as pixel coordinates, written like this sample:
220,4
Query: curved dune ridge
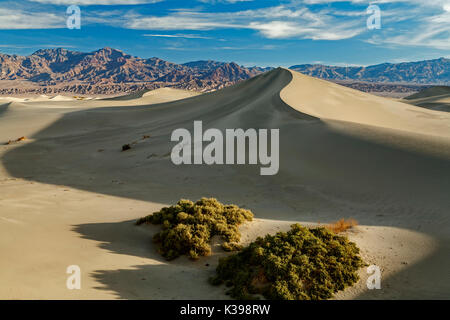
435,98
330,101
37,112
343,154
430,92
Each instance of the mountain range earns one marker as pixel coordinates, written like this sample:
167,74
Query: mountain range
110,71
435,71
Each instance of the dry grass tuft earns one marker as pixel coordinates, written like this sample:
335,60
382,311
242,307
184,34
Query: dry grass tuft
342,225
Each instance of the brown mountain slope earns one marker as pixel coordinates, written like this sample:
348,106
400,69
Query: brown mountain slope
109,71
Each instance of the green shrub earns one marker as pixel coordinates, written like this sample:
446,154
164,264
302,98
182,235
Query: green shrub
187,227
300,264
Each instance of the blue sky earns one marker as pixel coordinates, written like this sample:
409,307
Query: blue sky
249,32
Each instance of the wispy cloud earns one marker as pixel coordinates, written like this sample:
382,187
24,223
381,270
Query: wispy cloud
19,19
404,23
39,46
178,35
279,22
431,28
96,2
223,1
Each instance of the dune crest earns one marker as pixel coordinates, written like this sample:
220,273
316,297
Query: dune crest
435,98
330,101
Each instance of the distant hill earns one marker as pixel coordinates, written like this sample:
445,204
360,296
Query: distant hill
111,71
422,72
430,93
435,98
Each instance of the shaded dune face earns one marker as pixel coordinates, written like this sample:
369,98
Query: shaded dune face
334,163
436,98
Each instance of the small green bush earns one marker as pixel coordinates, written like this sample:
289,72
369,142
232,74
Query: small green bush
300,264
187,227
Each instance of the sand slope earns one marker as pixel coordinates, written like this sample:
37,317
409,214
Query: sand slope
430,92
68,195
329,101
435,98
155,96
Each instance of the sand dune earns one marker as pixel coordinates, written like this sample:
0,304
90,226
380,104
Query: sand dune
160,95
37,98
435,98
329,101
61,98
68,195
430,92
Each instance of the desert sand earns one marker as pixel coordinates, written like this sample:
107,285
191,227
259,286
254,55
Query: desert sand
435,98
69,196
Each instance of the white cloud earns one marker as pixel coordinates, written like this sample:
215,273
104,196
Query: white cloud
177,22
17,19
280,22
39,46
367,2
95,2
178,35
277,29
284,30
430,29
404,23
223,1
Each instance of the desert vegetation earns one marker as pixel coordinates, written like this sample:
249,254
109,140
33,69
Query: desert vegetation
187,227
300,264
342,225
